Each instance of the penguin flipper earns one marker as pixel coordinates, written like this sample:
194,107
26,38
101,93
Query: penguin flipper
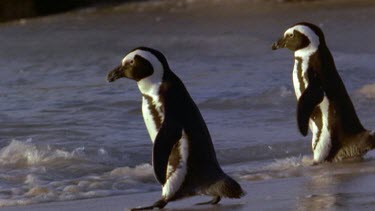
169,134
310,98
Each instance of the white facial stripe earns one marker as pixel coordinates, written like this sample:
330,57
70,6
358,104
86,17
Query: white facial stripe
289,31
144,54
310,34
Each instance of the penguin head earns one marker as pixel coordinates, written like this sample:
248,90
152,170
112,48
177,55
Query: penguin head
300,37
144,65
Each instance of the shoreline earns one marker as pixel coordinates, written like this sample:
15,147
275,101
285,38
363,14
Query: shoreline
327,186
125,202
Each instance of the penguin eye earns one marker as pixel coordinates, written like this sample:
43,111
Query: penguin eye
131,62
291,35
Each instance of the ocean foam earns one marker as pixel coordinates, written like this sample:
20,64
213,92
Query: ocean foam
34,173
21,154
280,168
142,172
289,163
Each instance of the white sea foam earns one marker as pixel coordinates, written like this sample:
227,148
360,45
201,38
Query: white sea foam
280,168
39,173
143,172
122,180
19,154
289,163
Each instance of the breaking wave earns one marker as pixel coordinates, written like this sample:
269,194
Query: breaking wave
32,173
20,154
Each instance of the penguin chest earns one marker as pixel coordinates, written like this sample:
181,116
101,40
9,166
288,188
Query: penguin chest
153,114
319,121
300,81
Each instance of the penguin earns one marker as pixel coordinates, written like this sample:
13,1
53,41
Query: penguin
323,105
183,158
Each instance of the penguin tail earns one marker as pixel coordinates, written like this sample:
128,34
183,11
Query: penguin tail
227,187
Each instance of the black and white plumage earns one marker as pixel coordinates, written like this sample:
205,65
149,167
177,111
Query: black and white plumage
184,159
323,102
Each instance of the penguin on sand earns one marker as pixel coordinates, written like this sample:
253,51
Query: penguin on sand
323,102
183,158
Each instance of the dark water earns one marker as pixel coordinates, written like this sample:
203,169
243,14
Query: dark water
67,134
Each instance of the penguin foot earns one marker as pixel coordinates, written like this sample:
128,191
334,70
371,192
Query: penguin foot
159,204
215,200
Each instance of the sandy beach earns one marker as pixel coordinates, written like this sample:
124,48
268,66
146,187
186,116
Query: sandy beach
292,184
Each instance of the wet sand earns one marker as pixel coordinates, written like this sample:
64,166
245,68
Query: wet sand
268,195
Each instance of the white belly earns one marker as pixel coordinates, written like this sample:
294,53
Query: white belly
300,81
321,139
321,142
175,174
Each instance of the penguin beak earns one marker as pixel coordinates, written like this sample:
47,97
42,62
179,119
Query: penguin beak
116,73
279,44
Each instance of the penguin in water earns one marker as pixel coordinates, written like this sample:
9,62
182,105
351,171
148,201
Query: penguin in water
323,102
183,157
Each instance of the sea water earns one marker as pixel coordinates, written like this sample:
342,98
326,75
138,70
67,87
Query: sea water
65,133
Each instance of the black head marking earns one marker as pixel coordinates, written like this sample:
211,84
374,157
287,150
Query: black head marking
138,68
140,63
300,36
296,41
